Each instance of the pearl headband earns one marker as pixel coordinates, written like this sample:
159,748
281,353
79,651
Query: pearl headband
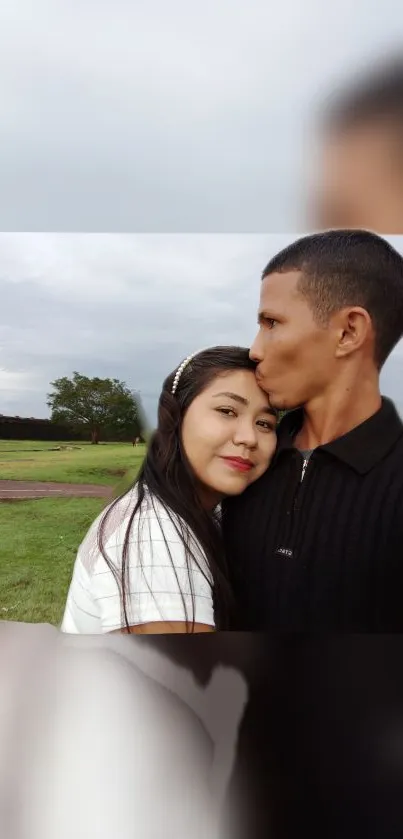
181,369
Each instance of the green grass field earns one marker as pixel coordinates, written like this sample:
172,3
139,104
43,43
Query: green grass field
84,464
39,539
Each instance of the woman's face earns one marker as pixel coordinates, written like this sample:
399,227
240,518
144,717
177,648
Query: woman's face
229,435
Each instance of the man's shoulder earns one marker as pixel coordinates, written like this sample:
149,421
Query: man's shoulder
394,455
398,448
238,503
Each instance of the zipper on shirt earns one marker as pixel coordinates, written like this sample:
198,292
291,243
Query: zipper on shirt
287,547
298,490
304,465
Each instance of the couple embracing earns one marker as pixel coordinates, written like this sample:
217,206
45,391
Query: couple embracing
240,521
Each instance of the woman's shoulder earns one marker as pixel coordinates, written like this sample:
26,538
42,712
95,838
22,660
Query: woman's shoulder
152,524
157,523
162,558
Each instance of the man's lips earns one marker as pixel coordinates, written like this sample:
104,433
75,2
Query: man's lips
239,463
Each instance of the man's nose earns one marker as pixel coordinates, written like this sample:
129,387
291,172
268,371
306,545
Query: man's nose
255,352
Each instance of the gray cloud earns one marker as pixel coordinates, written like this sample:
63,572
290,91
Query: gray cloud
169,116
126,306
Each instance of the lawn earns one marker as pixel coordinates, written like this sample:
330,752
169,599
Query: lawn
39,539
83,464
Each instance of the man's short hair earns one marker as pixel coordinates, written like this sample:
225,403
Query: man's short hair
342,268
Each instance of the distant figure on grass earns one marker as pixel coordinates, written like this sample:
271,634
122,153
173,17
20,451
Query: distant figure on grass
154,562
136,441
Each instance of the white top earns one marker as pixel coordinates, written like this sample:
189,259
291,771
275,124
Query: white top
157,572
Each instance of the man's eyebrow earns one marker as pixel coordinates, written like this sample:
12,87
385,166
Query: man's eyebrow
264,314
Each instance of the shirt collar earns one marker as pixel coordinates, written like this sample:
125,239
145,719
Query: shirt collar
362,447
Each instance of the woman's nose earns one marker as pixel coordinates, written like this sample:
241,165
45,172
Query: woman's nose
246,434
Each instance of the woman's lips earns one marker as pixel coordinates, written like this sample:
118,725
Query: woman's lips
239,463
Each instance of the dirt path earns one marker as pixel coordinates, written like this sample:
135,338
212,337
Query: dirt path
24,490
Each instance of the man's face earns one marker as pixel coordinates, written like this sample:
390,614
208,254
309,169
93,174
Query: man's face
295,355
360,182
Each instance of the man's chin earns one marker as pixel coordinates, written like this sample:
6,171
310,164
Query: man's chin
275,400
281,404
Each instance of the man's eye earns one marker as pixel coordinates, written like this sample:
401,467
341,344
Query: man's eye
266,321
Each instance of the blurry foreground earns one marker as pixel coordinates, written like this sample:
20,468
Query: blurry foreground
103,737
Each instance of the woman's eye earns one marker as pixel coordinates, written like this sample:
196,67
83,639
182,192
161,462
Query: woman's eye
227,411
266,424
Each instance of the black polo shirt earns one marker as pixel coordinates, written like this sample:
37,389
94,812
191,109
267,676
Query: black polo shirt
326,552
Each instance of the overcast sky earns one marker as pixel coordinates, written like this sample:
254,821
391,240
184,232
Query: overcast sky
128,115
159,117
127,306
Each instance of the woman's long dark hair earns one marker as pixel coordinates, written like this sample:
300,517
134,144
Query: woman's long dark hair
167,477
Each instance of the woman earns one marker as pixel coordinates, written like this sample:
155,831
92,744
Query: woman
153,562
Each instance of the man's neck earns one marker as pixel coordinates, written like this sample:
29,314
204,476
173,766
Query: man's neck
331,417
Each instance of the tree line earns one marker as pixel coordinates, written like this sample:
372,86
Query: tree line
101,407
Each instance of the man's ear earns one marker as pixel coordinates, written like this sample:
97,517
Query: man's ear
354,328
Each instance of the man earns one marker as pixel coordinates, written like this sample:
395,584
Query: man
316,543
361,176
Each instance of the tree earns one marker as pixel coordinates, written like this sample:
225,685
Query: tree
101,405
